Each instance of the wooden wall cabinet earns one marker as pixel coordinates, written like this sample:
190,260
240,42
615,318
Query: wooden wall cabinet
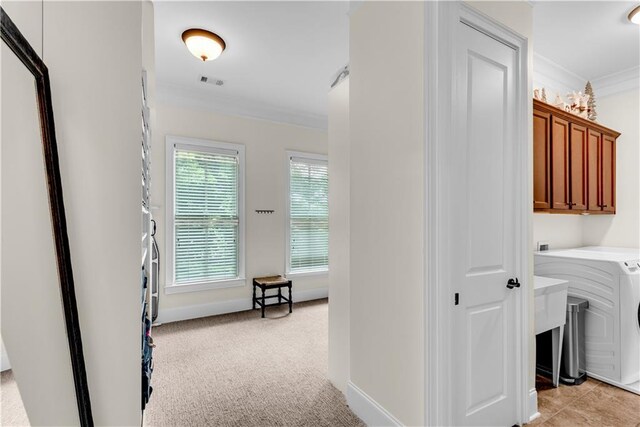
560,164
594,144
541,160
578,168
608,170
573,163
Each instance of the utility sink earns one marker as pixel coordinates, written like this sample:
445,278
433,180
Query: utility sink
551,314
550,302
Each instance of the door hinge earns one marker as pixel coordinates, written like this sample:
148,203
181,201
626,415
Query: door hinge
456,299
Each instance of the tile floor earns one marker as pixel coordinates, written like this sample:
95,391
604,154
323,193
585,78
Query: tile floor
592,403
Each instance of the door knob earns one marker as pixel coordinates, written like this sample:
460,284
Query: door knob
513,283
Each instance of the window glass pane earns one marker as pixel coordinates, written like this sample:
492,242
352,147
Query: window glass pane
206,184
309,215
206,216
206,251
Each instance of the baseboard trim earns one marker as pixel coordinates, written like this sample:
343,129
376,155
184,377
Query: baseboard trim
533,404
188,312
369,411
633,387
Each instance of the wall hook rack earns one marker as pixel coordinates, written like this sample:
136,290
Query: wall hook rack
265,211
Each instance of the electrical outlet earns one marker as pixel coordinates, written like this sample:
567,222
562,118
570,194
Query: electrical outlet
543,245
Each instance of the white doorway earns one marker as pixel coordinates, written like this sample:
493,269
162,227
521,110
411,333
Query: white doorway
477,237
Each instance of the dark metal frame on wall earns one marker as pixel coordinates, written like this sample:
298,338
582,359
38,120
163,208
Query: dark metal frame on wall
28,56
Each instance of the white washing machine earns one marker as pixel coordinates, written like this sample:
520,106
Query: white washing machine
609,278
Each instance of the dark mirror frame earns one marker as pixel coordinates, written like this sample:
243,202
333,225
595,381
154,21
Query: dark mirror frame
28,56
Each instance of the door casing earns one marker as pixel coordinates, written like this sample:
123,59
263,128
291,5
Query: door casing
441,19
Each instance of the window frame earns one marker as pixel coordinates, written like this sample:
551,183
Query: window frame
313,157
204,145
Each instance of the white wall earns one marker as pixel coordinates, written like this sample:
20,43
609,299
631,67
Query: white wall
339,193
94,66
387,218
149,50
32,316
620,112
32,31
95,82
560,231
386,118
266,183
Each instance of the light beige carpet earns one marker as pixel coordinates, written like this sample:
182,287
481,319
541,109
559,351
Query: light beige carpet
12,411
241,370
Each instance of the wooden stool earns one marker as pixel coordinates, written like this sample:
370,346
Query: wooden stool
271,282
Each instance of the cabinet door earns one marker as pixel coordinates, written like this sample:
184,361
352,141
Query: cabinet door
541,160
559,163
578,168
594,176
608,174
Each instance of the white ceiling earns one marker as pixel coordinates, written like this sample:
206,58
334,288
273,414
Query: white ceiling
592,39
278,64
281,56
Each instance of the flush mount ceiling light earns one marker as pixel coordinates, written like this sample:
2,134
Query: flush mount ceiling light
203,44
634,15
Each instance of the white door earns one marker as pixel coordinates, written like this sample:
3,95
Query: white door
484,240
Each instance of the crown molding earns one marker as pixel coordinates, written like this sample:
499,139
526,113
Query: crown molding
548,73
622,81
235,106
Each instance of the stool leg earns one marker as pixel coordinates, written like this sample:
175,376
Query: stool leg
279,295
290,301
253,300
263,303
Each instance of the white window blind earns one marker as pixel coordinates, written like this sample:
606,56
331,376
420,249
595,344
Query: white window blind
206,217
308,215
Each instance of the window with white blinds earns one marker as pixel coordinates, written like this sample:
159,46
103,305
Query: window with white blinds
308,248
207,224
